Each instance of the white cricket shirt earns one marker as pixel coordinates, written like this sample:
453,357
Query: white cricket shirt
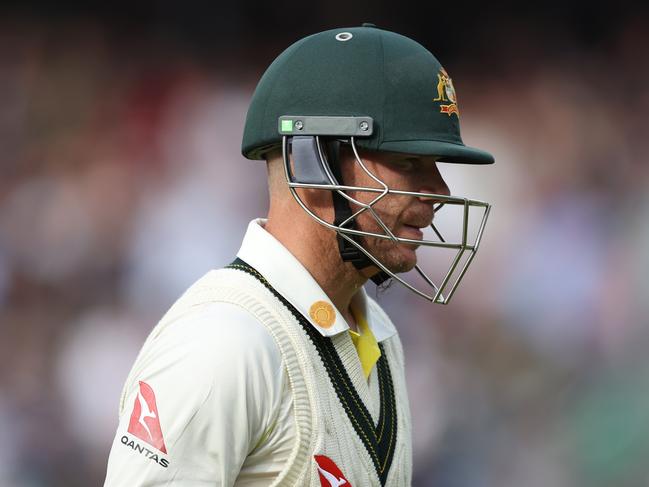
207,401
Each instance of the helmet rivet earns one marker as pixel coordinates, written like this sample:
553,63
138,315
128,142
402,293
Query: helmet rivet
299,125
364,126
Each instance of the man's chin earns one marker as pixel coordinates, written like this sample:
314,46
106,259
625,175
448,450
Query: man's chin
404,260
397,258
403,264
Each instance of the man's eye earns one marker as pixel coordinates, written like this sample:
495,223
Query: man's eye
406,165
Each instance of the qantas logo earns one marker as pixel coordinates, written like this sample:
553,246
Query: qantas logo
142,450
145,423
330,474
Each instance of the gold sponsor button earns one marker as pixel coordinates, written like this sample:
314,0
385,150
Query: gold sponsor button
323,314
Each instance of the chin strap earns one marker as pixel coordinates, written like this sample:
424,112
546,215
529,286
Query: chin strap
342,212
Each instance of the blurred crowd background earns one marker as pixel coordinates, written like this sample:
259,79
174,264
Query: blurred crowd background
121,182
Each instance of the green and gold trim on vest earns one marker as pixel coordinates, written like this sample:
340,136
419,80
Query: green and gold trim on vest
379,440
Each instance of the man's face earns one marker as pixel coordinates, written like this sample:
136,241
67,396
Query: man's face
403,215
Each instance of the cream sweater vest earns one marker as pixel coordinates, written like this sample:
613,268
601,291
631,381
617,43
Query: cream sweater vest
325,424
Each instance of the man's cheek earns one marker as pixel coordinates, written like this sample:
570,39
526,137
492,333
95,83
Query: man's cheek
368,223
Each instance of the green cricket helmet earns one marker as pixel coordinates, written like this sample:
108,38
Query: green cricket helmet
377,90
362,72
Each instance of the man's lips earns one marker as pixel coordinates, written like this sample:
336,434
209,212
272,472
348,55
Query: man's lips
411,232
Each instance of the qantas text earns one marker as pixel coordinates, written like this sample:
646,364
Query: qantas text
145,451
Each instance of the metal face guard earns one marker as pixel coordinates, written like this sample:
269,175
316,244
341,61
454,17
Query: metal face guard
319,176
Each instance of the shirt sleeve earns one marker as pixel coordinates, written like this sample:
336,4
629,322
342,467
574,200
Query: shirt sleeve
199,398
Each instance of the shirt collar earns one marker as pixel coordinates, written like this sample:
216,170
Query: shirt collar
291,279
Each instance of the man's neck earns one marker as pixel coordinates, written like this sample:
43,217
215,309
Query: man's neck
317,250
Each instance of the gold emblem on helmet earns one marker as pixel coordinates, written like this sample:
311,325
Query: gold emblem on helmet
446,92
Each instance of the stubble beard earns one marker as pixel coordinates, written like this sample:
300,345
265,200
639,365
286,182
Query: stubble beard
397,257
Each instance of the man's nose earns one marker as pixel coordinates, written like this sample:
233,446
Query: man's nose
432,182
438,187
